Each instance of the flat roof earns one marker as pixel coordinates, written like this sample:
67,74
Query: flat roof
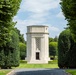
37,26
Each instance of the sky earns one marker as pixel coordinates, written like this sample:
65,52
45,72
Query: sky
41,12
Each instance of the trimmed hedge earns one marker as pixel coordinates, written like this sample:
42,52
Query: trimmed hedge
66,50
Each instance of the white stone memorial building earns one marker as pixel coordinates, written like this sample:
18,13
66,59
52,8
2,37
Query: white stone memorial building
37,44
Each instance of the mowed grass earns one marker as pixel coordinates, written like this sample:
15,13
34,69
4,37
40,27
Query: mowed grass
4,72
23,64
51,64
73,72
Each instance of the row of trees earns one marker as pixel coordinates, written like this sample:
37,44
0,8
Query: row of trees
9,37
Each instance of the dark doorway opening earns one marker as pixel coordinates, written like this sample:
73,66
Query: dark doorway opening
37,56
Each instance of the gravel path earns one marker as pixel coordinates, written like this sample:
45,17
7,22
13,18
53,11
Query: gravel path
38,72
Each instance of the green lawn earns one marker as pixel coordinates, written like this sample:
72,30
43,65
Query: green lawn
52,64
73,72
23,64
4,72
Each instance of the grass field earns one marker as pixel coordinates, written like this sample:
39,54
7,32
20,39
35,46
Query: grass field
52,64
23,64
73,72
4,72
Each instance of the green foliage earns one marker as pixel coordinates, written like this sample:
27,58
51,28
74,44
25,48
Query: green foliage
53,39
68,8
52,49
66,50
21,36
8,10
22,50
14,48
56,39
22,44
23,61
9,55
2,57
63,48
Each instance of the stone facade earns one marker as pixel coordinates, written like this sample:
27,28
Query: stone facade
37,44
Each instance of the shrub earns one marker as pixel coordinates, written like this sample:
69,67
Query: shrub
66,50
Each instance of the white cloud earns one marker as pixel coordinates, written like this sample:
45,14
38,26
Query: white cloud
39,6
39,11
60,15
52,28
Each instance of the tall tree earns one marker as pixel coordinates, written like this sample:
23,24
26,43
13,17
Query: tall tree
66,50
21,36
8,9
68,8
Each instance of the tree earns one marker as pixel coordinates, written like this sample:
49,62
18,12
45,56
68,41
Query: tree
66,50
22,45
22,50
56,39
10,55
8,9
68,8
21,36
63,48
52,49
51,39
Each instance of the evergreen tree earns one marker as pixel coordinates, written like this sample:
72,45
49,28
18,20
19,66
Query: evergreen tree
66,50
68,8
64,45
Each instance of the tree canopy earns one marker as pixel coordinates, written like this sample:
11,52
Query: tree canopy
66,50
69,10
9,39
8,9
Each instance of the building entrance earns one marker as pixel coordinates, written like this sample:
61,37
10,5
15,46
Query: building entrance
37,56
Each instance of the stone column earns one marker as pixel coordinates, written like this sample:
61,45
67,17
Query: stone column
32,49
42,49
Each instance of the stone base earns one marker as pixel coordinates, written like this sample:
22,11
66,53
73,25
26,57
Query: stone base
37,61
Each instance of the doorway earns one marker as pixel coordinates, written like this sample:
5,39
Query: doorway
37,56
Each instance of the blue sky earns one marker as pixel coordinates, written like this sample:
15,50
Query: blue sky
41,12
